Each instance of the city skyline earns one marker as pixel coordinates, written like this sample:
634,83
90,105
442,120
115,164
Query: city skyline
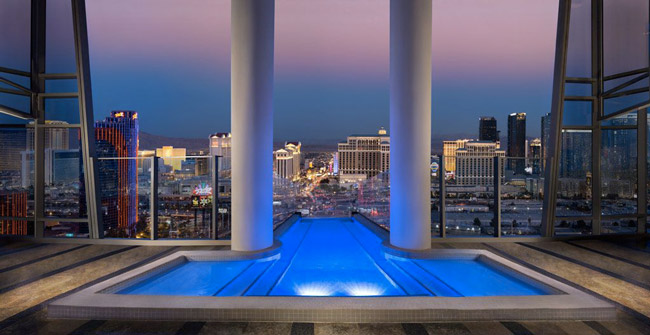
331,60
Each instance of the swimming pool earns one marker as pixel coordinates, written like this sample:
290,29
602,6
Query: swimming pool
337,257
331,270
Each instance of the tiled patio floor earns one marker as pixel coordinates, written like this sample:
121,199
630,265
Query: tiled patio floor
32,275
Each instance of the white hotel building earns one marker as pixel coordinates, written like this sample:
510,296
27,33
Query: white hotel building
364,156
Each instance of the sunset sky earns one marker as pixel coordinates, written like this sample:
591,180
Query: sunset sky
170,61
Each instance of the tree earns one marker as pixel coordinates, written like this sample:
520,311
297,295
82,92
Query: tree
477,222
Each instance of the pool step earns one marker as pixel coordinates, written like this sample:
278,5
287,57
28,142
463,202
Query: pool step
431,282
372,245
246,279
291,241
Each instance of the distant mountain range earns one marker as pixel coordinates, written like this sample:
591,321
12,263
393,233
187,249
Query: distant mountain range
150,141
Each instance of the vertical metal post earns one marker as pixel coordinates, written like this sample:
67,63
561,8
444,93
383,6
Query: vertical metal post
153,199
597,111
39,178
214,229
37,54
86,119
557,105
443,197
642,170
497,162
37,86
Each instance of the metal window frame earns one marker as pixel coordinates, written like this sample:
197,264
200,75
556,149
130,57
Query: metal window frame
599,95
38,94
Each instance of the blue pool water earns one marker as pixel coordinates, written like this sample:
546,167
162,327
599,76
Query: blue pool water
336,257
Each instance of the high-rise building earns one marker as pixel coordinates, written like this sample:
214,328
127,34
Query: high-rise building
287,160
61,166
364,156
449,151
13,203
53,138
117,137
517,142
62,162
283,161
171,156
475,163
294,147
13,143
220,145
546,135
488,129
534,155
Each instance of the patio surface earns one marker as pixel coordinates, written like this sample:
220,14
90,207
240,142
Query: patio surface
33,275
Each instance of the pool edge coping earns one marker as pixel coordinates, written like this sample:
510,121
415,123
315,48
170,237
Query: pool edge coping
92,302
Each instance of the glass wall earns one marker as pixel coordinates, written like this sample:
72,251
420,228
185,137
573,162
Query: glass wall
619,172
372,199
522,199
185,195
574,185
469,196
598,163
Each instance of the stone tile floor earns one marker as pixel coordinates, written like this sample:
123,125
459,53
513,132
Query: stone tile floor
32,275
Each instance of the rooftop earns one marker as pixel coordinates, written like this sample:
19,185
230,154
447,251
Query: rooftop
32,275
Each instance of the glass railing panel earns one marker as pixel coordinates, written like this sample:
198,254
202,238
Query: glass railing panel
521,198
125,192
435,196
470,196
65,229
324,192
224,216
286,199
185,195
373,198
618,226
566,227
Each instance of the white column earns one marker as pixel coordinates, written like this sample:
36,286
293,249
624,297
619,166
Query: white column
252,123
410,123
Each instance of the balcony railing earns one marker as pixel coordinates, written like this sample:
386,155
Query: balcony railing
188,197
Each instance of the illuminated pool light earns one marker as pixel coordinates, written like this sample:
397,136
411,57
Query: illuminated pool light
315,290
364,290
